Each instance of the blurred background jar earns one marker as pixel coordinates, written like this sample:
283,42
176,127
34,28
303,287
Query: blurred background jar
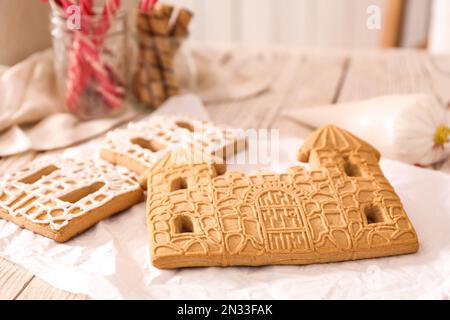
91,60
164,65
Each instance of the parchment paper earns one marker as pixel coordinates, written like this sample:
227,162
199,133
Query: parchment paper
110,261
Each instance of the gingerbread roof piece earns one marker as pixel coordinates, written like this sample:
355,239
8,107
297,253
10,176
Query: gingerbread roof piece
337,139
343,208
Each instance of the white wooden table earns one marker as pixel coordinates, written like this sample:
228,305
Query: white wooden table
300,79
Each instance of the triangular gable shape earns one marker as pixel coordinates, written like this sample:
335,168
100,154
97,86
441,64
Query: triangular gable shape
337,138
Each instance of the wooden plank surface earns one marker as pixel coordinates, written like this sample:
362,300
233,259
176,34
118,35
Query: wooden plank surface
373,74
13,280
258,111
38,289
300,79
317,80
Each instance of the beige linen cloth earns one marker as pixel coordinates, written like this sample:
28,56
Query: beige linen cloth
33,118
31,115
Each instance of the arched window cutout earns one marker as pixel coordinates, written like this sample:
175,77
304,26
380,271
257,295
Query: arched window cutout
178,184
374,214
185,125
183,224
351,169
39,174
151,145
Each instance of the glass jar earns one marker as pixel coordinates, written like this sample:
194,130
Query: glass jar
91,62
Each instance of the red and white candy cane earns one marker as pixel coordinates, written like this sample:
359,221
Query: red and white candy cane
146,5
109,10
86,58
86,49
87,6
86,64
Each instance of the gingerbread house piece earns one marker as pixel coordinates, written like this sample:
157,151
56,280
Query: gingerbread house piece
60,197
343,208
139,146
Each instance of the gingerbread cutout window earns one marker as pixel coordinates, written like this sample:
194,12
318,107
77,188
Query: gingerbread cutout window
178,184
152,145
352,169
183,224
38,175
185,125
374,214
81,193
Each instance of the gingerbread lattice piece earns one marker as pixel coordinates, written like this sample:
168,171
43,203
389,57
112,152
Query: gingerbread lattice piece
60,197
143,143
343,208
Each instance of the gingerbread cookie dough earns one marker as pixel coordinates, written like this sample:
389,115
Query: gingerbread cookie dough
143,143
342,208
60,198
